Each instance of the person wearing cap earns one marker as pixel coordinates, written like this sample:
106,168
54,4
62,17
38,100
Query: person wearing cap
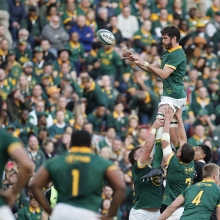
210,57
16,69
22,53
53,93
70,14
198,137
117,119
107,141
46,82
96,119
93,93
204,119
63,57
32,212
41,125
202,101
147,102
200,31
32,23
23,126
213,25
215,7
143,36
214,92
28,70
77,51
61,106
4,46
139,81
39,62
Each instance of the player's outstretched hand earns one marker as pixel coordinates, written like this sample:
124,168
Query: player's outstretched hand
179,113
127,55
168,115
138,60
158,123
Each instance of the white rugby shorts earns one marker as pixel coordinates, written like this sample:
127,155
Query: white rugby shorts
6,213
67,212
141,214
177,214
175,104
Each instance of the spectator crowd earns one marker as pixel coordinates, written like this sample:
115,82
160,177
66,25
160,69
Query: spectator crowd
56,78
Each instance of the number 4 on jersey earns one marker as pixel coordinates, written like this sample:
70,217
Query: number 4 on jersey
197,199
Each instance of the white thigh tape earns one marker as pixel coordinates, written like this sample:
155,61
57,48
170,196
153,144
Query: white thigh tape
165,137
174,123
159,133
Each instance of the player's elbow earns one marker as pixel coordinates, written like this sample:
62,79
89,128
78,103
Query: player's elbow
27,165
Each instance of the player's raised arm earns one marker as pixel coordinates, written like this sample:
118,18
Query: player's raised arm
181,130
177,203
149,143
165,139
115,181
41,179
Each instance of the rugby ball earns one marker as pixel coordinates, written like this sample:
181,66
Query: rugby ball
105,37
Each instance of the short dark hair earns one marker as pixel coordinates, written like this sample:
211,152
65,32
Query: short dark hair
172,31
81,138
187,153
207,151
131,155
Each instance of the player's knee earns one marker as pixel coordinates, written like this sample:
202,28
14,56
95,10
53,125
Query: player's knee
174,123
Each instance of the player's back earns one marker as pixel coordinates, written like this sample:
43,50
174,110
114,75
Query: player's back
200,200
179,176
78,177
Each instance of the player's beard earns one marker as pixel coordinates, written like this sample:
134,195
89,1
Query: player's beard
168,46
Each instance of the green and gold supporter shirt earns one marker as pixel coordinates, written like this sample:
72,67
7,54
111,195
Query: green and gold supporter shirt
76,49
210,13
28,213
145,37
205,125
56,131
174,58
187,111
76,183
195,140
95,97
24,56
96,122
5,89
148,193
32,102
38,69
212,59
179,176
22,130
198,104
200,200
104,143
16,70
119,122
109,61
69,118
192,22
57,65
68,16
7,146
111,94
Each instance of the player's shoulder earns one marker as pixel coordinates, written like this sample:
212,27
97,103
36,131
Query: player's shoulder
177,52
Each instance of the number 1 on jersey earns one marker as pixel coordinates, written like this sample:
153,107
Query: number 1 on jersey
75,184
197,199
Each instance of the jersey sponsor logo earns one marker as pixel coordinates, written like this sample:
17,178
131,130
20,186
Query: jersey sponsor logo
189,170
73,158
156,181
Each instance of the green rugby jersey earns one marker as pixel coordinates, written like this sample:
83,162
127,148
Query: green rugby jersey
179,176
200,200
78,176
148,194
7,146
174,58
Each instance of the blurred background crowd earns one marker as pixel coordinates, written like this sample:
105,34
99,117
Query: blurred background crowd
56,78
